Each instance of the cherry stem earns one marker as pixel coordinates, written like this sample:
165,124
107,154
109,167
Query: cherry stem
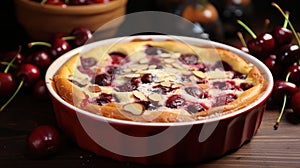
43,1
247,29
267,24
283,105
13,96
240,35
287,14
287,19
69,38
10,64
39,43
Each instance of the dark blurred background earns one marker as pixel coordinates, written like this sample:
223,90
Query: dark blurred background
13,35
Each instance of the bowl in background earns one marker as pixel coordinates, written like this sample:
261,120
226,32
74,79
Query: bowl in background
146,143
42,21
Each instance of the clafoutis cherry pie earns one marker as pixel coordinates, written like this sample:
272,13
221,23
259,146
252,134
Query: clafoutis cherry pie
158,81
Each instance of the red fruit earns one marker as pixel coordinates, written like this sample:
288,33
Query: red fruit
41,59
243,48
282,87
29,73
273,66
288,54
56,2
294,71
175,101
44,141
8,56
59,47
82,35
295,103
7,84
101,1
282,35
262,46
40,90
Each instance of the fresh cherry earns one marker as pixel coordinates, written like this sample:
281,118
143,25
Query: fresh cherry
101,1
81,35
44,141
294,71
7,84
295,103
243,48
282,35
59,47
8,56
54,2
41,59
80,2
288,54
282,87
40,90
28,73
272,63
261,46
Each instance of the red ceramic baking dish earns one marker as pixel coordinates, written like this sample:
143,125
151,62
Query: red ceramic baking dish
160,143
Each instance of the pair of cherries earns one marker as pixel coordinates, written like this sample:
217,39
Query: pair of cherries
19,71
276,51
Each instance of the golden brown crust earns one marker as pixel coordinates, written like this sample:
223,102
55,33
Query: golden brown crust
75,96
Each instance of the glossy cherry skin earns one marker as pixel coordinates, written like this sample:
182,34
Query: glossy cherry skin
7,84
294,71
82,35
282,87
273,66
80,2
56,2
44,141
282,35
8,56
288,54
101,1
243,48
295,103
29,73
59,47
262,46
40,90
41,59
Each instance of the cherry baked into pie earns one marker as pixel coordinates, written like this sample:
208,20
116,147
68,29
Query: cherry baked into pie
158,81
